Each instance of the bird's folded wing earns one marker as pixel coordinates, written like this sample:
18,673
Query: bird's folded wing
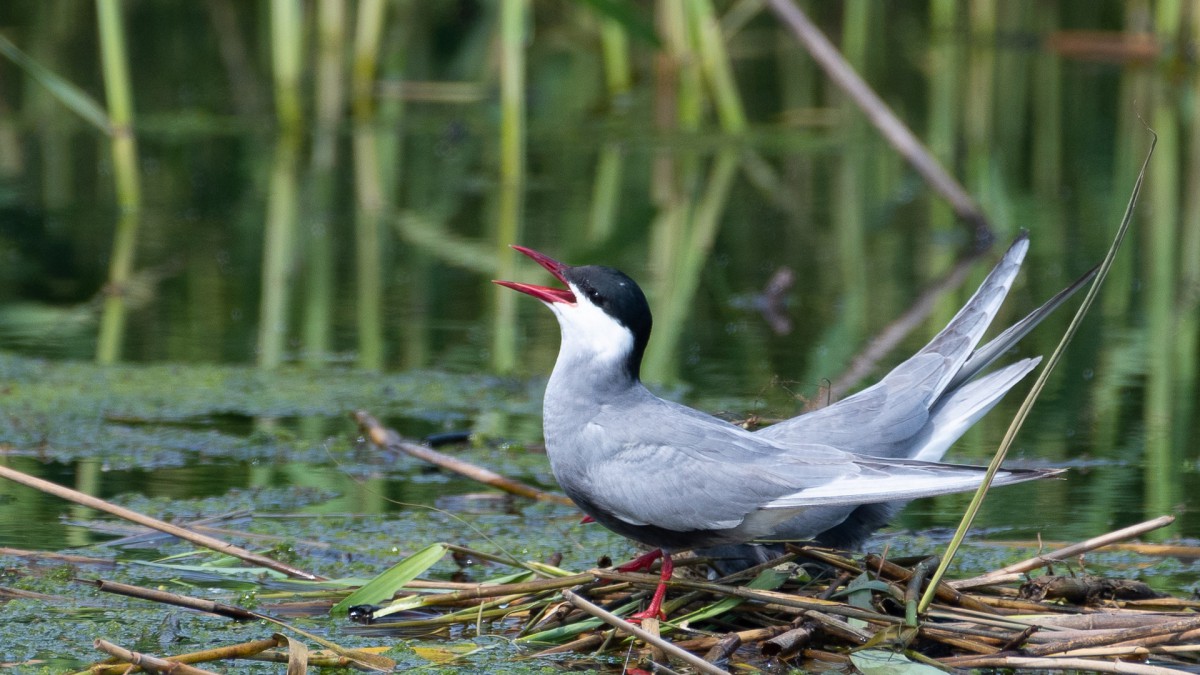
880,419
884,414
892,481
697,476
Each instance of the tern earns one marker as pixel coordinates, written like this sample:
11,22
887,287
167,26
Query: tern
674,478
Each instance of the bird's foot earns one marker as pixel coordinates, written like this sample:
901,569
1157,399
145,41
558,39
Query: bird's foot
654,611
642,562
647,614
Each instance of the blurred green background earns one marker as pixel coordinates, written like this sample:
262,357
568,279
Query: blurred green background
316,194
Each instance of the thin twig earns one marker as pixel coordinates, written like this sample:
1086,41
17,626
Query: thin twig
944,592
241,650
912,591
1111,637
155,595
147,662
1139,547
363,659
1071,551
1139,651
770,598
154,523
746,637
7,593
478,591
1086,665
623,625
386,438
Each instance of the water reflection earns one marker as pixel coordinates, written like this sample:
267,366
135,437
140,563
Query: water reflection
698,183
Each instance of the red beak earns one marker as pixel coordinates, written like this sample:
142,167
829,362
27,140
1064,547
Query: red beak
543,293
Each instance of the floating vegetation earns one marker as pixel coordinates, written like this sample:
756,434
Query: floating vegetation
813,608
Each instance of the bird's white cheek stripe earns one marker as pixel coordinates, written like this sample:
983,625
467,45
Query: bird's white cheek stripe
590,334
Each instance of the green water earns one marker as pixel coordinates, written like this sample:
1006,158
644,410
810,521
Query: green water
286,275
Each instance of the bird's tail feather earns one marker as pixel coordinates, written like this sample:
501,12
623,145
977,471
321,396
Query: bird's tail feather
957,340
904,480
985,355
963,407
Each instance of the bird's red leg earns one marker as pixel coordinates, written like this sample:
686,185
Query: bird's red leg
654,611
642,562
587,519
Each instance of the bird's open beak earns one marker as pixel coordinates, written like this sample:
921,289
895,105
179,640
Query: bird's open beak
543,293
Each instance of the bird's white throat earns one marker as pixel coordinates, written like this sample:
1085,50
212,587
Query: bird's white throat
590,337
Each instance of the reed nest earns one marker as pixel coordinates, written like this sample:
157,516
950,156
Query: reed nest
813,608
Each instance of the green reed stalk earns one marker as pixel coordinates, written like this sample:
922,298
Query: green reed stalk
850,177
1047,157
125,173
980,99
606,190
88,473
277,253
1135,85
680,52
1168,22
1189,252
1012,82
512,177
368,34
329,97
368,240
699,232
287,49
714,64
945,96
677,171
53,25
329,94
12,151
1161,478
287,44
1027,405
368,186
614,46
1162,460
75,99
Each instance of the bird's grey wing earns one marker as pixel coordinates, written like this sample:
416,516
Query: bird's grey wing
957,340
959,410
901,480
880,420
682,474
876,421
846,526
983,356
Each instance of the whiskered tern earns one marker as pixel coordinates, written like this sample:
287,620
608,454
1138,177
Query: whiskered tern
675,478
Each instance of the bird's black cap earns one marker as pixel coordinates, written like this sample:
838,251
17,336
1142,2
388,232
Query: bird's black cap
621,298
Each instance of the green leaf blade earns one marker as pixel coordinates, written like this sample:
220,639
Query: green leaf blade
71,96
880,662
386,584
